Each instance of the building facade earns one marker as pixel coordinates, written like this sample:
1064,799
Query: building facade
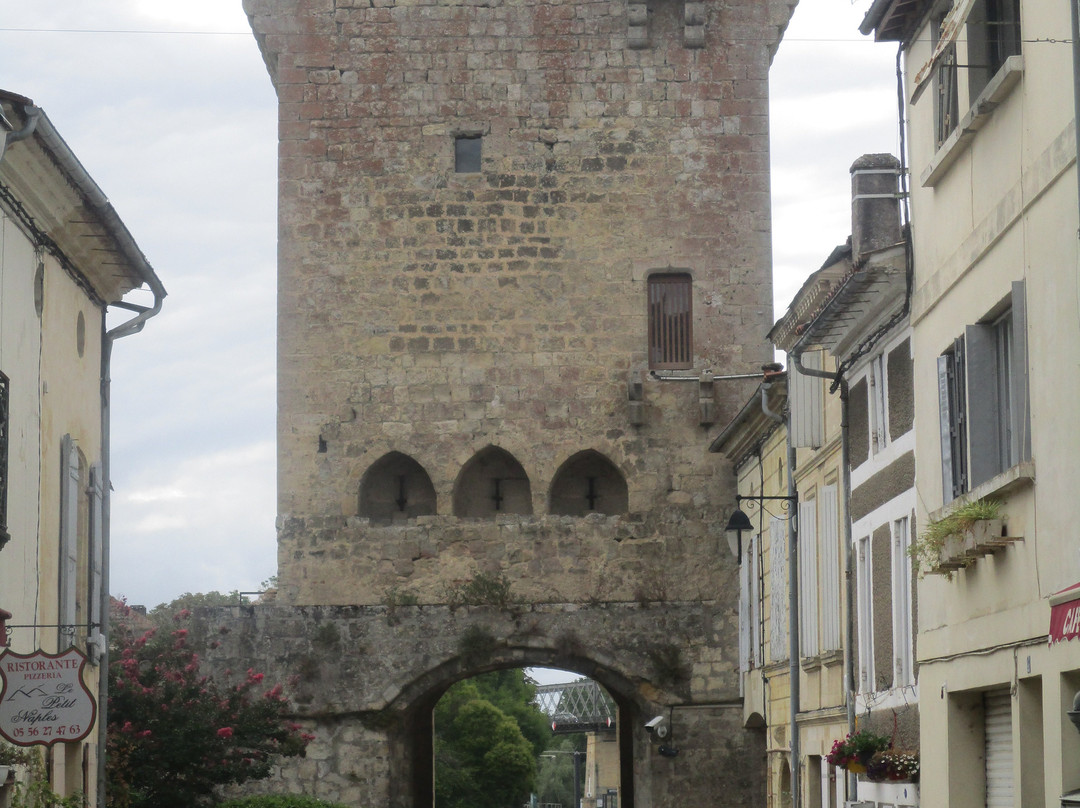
67,258
992,133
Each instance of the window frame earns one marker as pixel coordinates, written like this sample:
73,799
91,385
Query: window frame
670,306
988,364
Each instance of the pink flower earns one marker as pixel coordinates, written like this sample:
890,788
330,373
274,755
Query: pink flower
225,732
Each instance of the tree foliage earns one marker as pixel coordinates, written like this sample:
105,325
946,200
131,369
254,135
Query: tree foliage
175,734
488,734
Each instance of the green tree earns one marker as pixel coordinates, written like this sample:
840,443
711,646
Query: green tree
175,734
483,758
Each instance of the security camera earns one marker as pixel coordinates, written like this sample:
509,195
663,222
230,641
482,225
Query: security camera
658,727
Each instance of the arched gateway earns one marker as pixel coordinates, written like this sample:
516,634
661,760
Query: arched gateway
475,200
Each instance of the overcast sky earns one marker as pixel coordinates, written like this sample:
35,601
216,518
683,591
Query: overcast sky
168,106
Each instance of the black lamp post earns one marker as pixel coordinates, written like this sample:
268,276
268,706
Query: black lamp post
740,522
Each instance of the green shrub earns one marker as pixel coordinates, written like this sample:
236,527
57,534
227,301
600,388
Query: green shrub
279,801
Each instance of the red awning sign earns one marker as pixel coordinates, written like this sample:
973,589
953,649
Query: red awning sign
1065,614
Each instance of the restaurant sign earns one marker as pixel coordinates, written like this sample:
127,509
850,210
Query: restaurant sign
43,699
1065,614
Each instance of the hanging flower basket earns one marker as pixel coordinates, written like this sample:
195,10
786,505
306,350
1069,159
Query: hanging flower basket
856,751
896,766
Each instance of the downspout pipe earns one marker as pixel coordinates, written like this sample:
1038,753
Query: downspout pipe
1073,6
109,337
793,620
33,115
840,381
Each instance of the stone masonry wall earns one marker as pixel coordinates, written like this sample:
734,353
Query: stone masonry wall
356,675
432,314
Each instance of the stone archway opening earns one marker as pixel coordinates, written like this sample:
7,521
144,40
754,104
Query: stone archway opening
588,483
606,769
492,482
396,487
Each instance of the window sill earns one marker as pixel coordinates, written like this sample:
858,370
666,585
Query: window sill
1022,475
956,144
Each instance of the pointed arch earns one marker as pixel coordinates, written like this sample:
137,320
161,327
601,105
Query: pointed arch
588,482
490,483
396,487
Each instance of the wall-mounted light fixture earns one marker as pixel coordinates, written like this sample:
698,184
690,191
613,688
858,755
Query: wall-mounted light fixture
739,522
1074,713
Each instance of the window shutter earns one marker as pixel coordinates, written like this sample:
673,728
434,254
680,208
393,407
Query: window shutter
96,640
778,580
807,404
745,621
946,428
1021,397
808,579
984,419
670,321
830,569
69,546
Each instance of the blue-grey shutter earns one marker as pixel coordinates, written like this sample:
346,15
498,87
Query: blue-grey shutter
945,416
1021,397
984,404
808,579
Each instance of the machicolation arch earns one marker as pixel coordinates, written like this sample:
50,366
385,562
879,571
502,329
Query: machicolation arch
396,487
588,483
490,483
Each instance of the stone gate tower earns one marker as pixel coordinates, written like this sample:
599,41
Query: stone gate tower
518,241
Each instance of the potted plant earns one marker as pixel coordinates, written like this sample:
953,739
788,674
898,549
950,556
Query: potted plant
957,539
894,766
856,750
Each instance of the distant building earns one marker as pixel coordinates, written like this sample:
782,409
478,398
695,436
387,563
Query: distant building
66,259
996,346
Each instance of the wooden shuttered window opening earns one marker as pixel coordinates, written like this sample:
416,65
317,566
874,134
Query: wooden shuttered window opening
671,321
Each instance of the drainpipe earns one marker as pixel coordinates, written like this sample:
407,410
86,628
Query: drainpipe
128,327
793,620
33,115
1076,89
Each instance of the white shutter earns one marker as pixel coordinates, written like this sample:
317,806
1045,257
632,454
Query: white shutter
808,579
864,583
745,622
997,717
778,585
806,399
901,603
69,539
829,571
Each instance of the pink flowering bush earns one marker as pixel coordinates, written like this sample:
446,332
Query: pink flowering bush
175,734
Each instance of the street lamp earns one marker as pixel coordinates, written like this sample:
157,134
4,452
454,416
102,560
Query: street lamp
740,522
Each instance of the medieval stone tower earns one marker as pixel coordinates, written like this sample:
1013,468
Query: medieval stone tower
518,241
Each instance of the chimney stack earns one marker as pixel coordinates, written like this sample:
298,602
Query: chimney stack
875,204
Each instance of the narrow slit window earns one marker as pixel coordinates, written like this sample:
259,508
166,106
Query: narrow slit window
467,154
671,321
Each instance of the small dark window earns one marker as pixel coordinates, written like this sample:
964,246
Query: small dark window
670,321
467,154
